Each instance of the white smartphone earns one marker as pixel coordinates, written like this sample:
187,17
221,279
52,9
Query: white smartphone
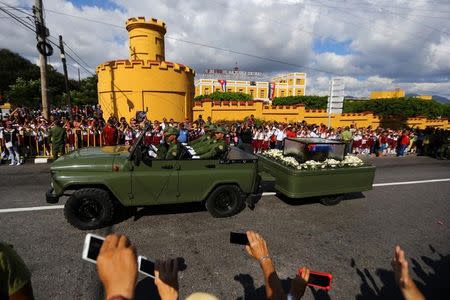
146,266
91,248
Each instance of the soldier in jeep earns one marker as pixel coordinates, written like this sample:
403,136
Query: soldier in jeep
170,149
215,148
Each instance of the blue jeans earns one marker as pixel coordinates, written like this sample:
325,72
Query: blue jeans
401,150
14,154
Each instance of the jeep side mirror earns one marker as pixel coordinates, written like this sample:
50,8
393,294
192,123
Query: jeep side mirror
137,156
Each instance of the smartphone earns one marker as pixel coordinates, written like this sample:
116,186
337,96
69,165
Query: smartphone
146,266
239,238
319,280
91,248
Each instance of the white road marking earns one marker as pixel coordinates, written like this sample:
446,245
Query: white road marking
10,210
411,182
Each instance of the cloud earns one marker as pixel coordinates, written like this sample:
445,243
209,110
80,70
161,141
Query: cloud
390,44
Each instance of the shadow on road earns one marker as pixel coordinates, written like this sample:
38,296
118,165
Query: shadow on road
313,200
166,209
253,293
434,284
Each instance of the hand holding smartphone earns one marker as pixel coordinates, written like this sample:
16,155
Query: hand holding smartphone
91,250
239,238
319,280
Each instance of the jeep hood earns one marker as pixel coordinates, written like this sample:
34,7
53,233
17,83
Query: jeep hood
95,158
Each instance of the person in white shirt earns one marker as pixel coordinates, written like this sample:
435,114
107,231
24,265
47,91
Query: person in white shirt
279,132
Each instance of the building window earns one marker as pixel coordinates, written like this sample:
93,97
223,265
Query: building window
261,94
206,91
282,93
228,89
241,90
251,93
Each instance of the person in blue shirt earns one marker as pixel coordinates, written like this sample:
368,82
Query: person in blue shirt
183,134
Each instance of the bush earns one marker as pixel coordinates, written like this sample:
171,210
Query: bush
310,102
225,96
397,107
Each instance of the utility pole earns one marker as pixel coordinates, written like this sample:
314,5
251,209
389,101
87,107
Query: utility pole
79,76
66,79
42,33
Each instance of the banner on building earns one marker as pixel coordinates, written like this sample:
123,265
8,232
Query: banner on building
271,90
223,84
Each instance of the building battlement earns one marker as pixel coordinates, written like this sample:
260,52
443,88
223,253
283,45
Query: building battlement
162,65
141,22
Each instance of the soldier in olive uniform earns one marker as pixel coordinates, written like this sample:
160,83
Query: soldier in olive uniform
57,135
215,148
170,149
206,138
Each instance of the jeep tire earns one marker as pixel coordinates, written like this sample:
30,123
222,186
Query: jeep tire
225,201
331,200
89,208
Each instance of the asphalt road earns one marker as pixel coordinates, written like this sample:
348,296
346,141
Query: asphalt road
353,240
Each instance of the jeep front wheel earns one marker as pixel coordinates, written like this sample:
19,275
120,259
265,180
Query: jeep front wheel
90,208
225,201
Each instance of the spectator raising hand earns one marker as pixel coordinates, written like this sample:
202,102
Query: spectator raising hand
406,284
117,267
298,284
166,279
257,249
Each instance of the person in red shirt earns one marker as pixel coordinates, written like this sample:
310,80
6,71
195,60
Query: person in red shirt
403,143
110,134
290,133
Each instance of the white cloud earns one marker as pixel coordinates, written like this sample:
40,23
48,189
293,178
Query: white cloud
393,43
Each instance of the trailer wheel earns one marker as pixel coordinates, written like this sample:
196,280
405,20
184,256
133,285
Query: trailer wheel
89,208
331,200
225,201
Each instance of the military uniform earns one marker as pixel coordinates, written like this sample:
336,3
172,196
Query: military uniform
169,150
213,149
57,135
206,138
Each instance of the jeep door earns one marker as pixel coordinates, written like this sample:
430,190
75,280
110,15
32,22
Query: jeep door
152,181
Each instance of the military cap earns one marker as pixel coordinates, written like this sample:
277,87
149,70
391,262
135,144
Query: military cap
220,129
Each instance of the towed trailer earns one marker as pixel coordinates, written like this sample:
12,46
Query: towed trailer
330,184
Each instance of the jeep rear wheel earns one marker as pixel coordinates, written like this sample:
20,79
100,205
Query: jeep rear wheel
225,201
89,209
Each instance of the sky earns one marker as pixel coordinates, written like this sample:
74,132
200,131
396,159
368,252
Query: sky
373,44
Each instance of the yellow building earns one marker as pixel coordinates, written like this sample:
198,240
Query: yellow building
293,84
397,93
424,97
145,81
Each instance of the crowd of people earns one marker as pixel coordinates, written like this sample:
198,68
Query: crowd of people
117,270
24,133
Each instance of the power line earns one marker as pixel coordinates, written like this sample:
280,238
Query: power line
17,19
207,46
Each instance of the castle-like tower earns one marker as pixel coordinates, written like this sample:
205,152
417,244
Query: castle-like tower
146,82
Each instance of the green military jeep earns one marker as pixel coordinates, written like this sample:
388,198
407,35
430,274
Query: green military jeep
100,181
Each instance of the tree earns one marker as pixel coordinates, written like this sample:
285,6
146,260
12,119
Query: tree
225,96
310,102
13,66
397,107
25,92
86,93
